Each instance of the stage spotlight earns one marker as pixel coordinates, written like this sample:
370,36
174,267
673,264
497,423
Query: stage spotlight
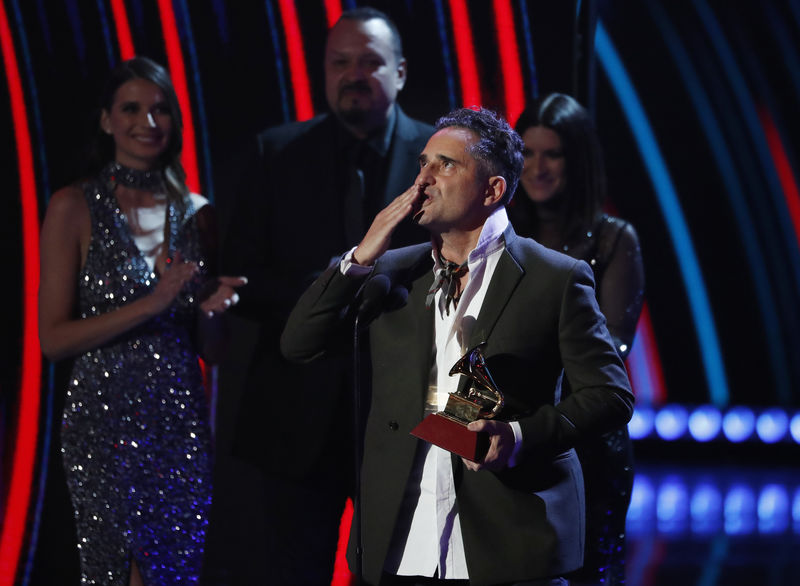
773,509
772,425
740,511
705,423
706,509
671,422
794,427
672,507
642,510
796,511
641,424
738,424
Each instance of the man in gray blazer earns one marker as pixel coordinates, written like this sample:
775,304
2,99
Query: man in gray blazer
516,515
310,191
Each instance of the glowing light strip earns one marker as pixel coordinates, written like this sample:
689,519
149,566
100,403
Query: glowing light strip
644,364
74,18
45,433
528,36
31,368
107,44
749,114
465,52
341,571
673,215
788,49
186,28
333,10
303,108
447,57
509,59
782,166
178,74
729,173
126,50
274,35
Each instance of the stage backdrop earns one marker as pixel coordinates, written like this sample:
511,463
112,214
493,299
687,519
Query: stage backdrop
696,104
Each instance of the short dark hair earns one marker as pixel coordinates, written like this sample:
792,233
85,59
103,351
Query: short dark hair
170,161
365,13
585,188
499,147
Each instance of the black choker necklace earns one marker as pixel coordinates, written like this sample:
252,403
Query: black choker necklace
118,174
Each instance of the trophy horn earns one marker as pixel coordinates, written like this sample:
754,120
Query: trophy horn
482,390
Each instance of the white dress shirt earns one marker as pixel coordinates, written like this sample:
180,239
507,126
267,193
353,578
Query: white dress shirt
427,539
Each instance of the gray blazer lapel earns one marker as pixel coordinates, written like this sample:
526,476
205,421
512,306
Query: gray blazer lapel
424,315
504,281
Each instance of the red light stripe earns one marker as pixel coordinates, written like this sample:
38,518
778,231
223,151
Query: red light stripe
297,61
341,572
333,10
784,169
177,71
509,59
126,50
14,523
647,339
465,51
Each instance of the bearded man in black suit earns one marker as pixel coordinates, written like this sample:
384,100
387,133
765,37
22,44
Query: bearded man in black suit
516,515
311,189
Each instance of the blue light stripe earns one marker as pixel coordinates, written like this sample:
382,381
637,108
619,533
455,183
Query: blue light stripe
673,216
41,10
74,18
221,20
185,29
760,148
527,34
639,368
789,51
713,566
43,174
447,57
106,28
43,170
279,66
44,463
754,254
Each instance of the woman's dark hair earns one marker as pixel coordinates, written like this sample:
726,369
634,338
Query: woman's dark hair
170,160
585,189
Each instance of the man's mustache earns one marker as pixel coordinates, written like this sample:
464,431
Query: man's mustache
357,86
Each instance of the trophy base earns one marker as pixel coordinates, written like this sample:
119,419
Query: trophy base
453,436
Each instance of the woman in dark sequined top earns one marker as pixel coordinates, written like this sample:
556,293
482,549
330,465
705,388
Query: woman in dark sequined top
559,203
127,290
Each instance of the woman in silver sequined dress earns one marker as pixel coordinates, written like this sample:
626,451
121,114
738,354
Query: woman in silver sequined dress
128,289
559,204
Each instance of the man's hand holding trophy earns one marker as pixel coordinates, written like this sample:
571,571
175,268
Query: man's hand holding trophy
479,399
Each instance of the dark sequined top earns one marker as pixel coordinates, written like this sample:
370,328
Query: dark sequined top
135,431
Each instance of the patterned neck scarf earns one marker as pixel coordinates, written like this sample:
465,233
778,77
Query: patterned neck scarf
448,279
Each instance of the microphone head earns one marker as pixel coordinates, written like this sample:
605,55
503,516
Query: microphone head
375,289
373,295
397,297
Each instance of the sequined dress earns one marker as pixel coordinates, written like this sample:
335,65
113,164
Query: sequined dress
135,432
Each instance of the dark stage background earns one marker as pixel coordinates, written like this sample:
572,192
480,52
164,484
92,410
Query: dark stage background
696,104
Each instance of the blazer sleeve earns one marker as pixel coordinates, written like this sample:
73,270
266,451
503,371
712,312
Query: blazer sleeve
321,316
600,399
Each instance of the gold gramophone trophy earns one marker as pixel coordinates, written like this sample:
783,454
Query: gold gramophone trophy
480,399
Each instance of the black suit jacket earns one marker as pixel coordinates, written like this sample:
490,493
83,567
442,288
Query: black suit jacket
287,224
540,321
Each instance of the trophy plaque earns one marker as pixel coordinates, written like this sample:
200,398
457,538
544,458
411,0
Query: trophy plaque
480,399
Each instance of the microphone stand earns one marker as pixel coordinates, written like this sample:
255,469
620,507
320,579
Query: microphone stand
357,451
